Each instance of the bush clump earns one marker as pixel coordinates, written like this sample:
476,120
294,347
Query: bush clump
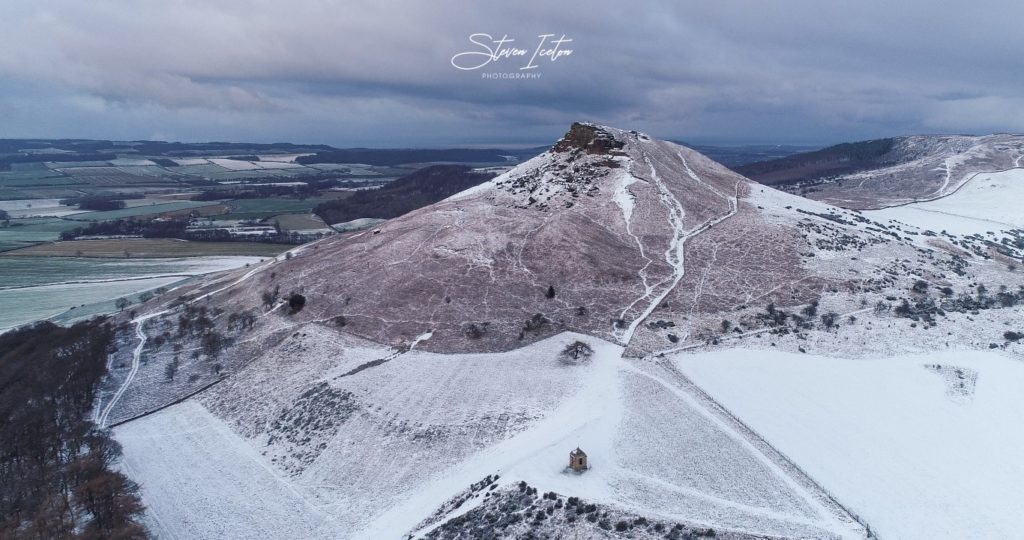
296,302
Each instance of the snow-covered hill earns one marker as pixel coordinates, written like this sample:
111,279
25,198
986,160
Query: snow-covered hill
914,169
491,333
985,202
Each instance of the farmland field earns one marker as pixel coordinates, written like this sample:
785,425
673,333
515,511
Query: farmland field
299,222
26,208
22,306
24,232
265,208
35,178
148,248
35,288
921,446
149,210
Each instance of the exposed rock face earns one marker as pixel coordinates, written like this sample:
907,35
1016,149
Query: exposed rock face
590,138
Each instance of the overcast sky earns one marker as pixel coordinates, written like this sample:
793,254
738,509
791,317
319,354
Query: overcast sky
380,73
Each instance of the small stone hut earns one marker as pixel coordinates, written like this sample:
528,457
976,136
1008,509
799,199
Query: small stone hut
578,460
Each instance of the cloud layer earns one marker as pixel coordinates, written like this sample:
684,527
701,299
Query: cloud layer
362,72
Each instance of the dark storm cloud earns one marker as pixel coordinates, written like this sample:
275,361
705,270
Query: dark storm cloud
372,72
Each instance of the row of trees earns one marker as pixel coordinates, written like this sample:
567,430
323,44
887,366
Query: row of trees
56,475
176,228
100,202
147,228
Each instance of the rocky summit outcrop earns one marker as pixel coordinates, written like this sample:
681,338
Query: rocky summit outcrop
591,138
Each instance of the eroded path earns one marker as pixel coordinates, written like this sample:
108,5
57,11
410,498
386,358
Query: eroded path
675,255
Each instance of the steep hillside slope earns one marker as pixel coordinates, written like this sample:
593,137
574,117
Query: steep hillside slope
585,237
888,172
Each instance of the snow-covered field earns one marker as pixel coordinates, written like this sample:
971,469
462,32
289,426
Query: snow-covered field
25,305
191,161
410,433
271,164
37,208
203,481
917,450
235,165
988,202
37,288
282,158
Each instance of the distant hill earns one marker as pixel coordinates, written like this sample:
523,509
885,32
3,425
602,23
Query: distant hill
889,172
421,188
838,159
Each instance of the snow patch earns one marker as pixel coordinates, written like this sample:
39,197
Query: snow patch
884,438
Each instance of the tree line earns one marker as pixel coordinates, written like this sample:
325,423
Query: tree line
56,475
177,228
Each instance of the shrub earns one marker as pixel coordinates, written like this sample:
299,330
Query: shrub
1013,336
171,368
811,310
476,331
269,297
904,308
576,351
296,302
536,322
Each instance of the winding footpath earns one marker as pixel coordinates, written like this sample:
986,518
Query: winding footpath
103,420
675,254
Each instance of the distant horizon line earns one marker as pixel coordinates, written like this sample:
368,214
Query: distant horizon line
707,142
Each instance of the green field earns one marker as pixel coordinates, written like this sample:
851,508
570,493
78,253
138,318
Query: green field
141,210
298,222
265,208
34,178
24,232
